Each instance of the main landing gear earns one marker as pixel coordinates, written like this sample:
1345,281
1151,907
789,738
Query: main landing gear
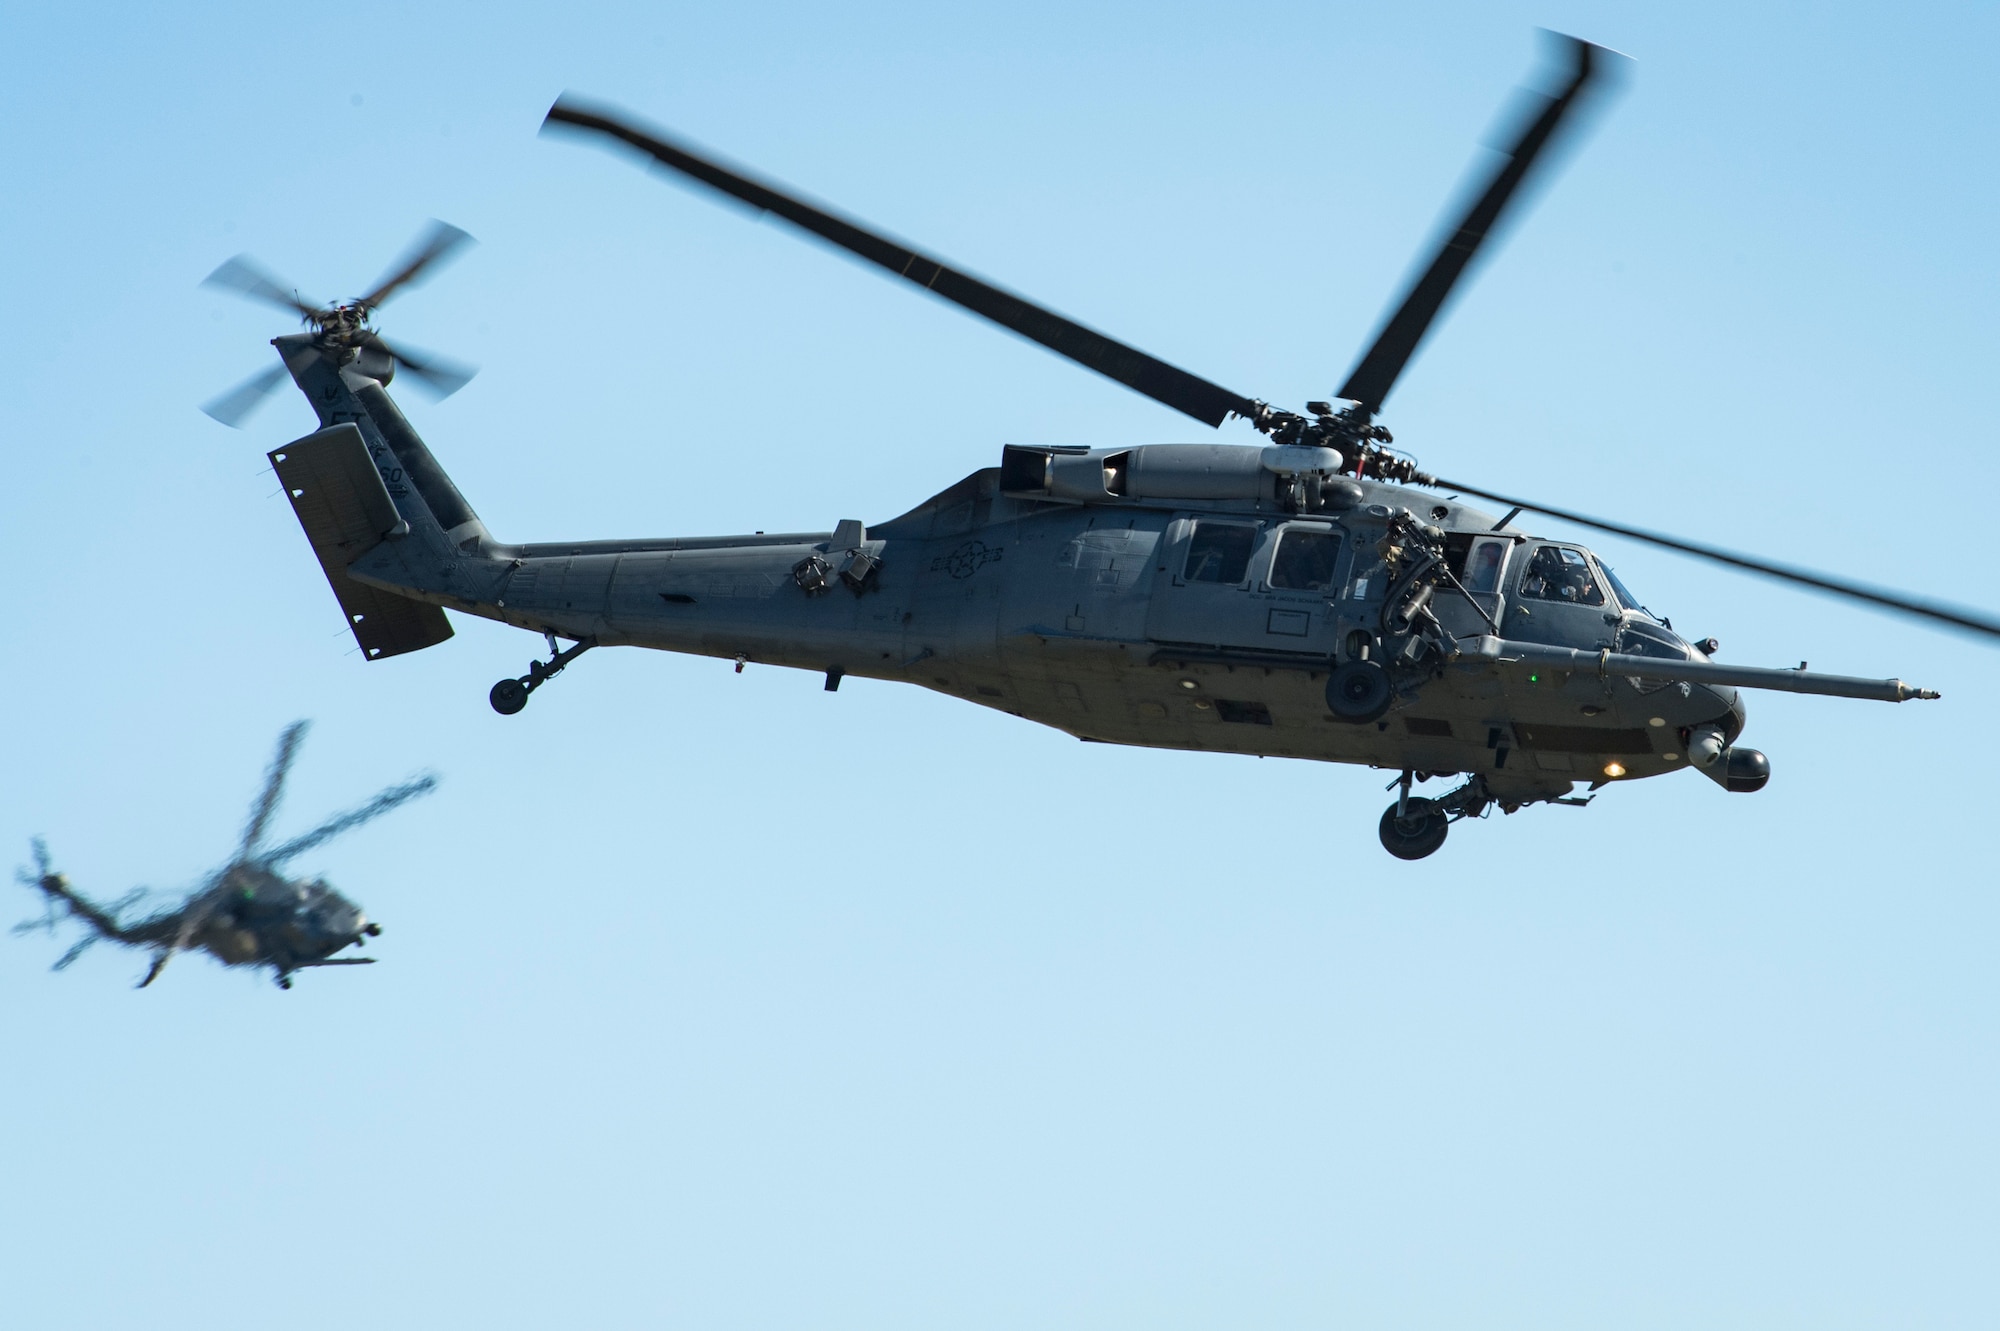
1414,827
511,695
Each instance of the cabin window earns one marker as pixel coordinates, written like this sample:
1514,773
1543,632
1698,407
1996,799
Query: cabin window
1305,560
1559,573
1483,564
1219,552
1476,561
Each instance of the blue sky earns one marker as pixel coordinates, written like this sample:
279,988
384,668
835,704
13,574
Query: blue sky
716,1000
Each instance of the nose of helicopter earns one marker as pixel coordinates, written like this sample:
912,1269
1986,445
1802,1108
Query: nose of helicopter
336,917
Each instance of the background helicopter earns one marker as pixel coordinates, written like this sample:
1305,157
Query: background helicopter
1176,596
246,913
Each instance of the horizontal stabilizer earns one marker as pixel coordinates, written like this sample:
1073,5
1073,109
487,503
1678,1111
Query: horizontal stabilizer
346,511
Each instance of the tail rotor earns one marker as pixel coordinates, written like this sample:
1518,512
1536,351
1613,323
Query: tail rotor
342,329
47,881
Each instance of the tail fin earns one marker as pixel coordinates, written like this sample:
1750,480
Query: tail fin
366,478
344,505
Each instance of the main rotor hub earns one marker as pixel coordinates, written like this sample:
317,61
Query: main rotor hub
1351,431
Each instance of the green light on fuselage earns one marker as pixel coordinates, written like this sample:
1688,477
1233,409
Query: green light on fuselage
1534,679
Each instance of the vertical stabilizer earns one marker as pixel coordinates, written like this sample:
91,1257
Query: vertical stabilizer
344,505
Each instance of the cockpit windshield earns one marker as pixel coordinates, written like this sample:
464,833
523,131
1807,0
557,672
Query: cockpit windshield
1625,598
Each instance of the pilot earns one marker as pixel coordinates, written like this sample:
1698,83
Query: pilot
1560,574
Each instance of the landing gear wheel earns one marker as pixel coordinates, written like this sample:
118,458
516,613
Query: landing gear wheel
508,696
1359,692
511,695
1419,832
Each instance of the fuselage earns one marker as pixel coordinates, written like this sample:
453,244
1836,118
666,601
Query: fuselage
1173,596
253,916
1119,622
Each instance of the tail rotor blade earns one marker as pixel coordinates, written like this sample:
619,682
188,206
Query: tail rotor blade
242,275
441,376
440,242
234,407
1376,374
41,877
1900,603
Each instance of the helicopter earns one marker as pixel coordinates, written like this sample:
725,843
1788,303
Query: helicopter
1308,598
246,913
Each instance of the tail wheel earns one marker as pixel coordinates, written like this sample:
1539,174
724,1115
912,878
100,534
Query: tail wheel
1419,832
508,696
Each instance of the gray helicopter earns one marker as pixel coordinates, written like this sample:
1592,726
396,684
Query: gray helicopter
1307,598
246,913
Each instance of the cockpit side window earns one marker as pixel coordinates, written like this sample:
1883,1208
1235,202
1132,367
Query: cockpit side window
1559,573
1219,552
1305,559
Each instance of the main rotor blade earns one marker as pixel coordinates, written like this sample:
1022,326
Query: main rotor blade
1371,380
1184,392
165,955
353,818
81,946
441,376
1896,602
242,275
274,786
234,407
437,244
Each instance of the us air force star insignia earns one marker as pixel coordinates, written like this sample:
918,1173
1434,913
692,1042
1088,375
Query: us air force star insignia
967,559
